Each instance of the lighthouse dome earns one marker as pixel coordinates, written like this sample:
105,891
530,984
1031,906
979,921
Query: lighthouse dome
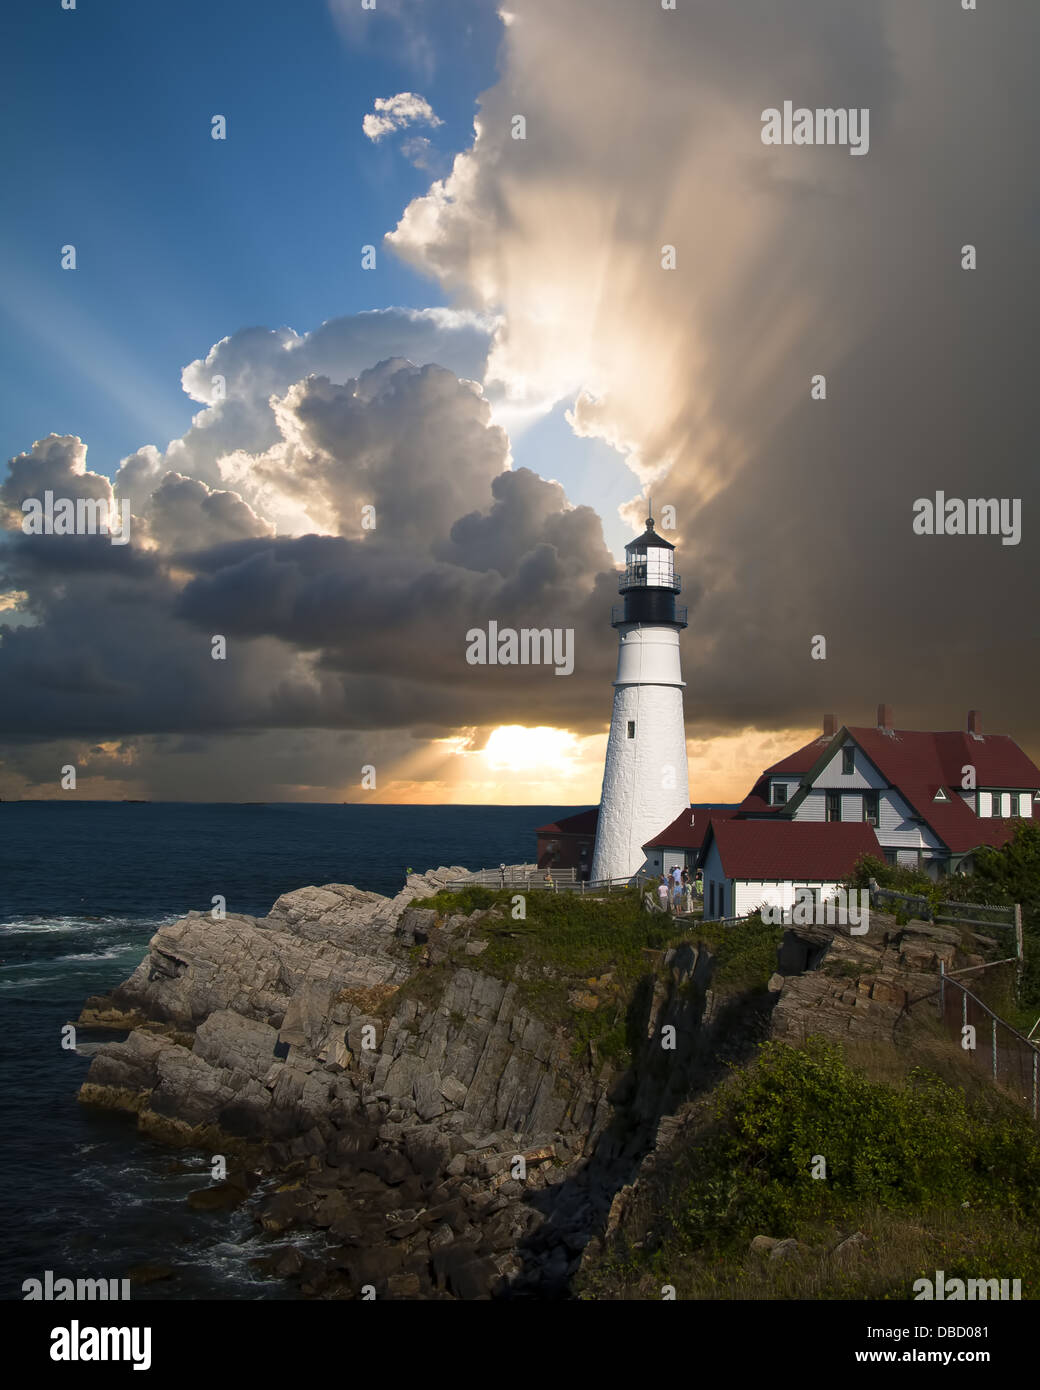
649,563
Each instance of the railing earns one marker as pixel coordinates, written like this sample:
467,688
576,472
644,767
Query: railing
948,912
532,879
626,581
1010,1058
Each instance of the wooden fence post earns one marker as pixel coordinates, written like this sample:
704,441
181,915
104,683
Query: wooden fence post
942,989
1019,949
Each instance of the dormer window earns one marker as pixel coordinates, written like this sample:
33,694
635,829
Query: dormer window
848,761
779,793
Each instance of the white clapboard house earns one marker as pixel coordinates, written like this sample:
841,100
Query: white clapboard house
930,799
750,863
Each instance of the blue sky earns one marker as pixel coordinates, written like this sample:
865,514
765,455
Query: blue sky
181,239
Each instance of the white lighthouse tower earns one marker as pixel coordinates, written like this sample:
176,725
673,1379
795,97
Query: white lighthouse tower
646,782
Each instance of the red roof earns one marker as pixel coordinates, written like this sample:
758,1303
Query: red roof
582,823
689,828
917,764
757,802
823,851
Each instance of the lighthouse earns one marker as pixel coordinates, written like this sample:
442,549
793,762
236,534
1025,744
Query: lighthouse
646,782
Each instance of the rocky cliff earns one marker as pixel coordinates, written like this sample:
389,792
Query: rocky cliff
367,1073
349,1049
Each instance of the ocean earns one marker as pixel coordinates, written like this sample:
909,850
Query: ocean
83,887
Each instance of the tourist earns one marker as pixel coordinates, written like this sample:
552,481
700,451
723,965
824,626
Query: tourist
687,894
662,892
676,885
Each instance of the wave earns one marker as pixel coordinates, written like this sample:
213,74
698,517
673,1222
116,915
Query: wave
110,954
32,926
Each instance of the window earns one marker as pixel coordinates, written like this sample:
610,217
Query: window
985,803
871,810
848,761
834,805
779,793
631,728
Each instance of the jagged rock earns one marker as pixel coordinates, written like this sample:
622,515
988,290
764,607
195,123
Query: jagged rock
372,1265
762,1245
429,1102
286,1209
453,1091
390,1168
222,1197
428,1152
463,1272
403,1286
851,1245
788,1250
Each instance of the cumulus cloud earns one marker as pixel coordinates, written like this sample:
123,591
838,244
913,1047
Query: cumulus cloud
794,515
390,114
357,631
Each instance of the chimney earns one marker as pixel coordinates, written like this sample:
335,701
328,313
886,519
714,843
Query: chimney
884,717
975,722
829,726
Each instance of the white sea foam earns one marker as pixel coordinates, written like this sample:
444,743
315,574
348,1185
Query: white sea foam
110,954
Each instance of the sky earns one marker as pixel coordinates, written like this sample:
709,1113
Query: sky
524,363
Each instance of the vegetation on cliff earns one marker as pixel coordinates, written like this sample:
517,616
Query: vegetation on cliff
585,963
934,1174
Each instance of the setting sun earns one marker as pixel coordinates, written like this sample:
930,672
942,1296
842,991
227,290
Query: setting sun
516,748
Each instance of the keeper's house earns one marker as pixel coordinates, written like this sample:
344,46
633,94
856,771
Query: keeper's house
748,863
930,799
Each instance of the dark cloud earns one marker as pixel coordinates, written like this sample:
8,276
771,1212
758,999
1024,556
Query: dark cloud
794,516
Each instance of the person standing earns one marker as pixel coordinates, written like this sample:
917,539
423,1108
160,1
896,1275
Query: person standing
676,886
662,892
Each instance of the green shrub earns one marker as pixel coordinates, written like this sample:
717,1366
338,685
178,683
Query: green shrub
902,1148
